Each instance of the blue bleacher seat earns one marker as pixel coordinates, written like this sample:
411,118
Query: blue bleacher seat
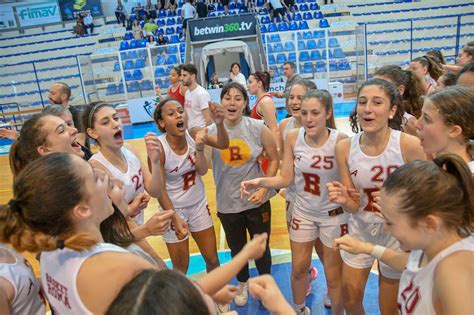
315,55
133,87
142,53
269,48
304,55
124,45
307,16
182,47
127,75
160,31
333,42
170,21
142,43
142,23
173,49
117,66
162,14
338,53
332,66
289,46
320,66
174,39
263,28
272,28
128,65
301,45
297,17
281,58
179,21
133,44
318,15
124,55
146,85
311,44
323,23
160,60
137,74
282,27
321,43
159,72
179,29
275,38
318,34
132,54
293,26
324,54
308,67
307,35
171,13
170,30
128,36
278,47
111,89
313,7
172,60
303,25
271,59
140,63
304,7
161,22
292,57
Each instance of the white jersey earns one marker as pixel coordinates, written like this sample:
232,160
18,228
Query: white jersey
416,284
314,168
369,172
132,179
183,184
195,102
290,190
28,298
59,270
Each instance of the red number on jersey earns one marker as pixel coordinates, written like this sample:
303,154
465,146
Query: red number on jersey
411,296
311,183
370,203
380,170
138,180
295,224
189,179
344,229
328,162
192,158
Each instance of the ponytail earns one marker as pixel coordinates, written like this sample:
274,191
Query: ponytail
413,94
434,70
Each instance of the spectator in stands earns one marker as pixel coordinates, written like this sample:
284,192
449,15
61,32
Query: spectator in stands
187,12
447,79
427,70
79,29
150,29
214,83
150,10
236,76
326,1
88,22
201,8
120,13
139,11
161,40
225,4
289,71
196,99
290,4
278,10
466,76
60,94
173,6
137,30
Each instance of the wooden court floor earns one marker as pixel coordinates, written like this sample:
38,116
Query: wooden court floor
279,235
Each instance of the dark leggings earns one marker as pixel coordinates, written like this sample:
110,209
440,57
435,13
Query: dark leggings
255,221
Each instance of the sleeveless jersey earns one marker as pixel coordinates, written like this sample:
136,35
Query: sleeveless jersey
59,270
176,94
138,251
290,190
314,168
28,297
132,179
416,284
254,113
369,172
237,163
183,184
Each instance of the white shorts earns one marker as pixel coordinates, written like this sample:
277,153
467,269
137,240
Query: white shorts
289,204
198,217
375,234
149,34
303,230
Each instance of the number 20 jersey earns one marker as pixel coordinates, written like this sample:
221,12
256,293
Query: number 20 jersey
314,168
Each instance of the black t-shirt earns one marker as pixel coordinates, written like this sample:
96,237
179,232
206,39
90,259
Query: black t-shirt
201,9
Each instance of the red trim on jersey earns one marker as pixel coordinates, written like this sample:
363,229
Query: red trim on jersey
254,114
176,94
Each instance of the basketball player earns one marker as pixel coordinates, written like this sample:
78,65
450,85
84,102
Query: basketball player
182,163
433,223
309,162
364,162
248,137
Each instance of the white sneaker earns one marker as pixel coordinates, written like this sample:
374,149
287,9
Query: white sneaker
242,295
222,308
305,311
327,301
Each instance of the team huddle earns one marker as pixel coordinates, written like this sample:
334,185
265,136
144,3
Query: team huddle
399,191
